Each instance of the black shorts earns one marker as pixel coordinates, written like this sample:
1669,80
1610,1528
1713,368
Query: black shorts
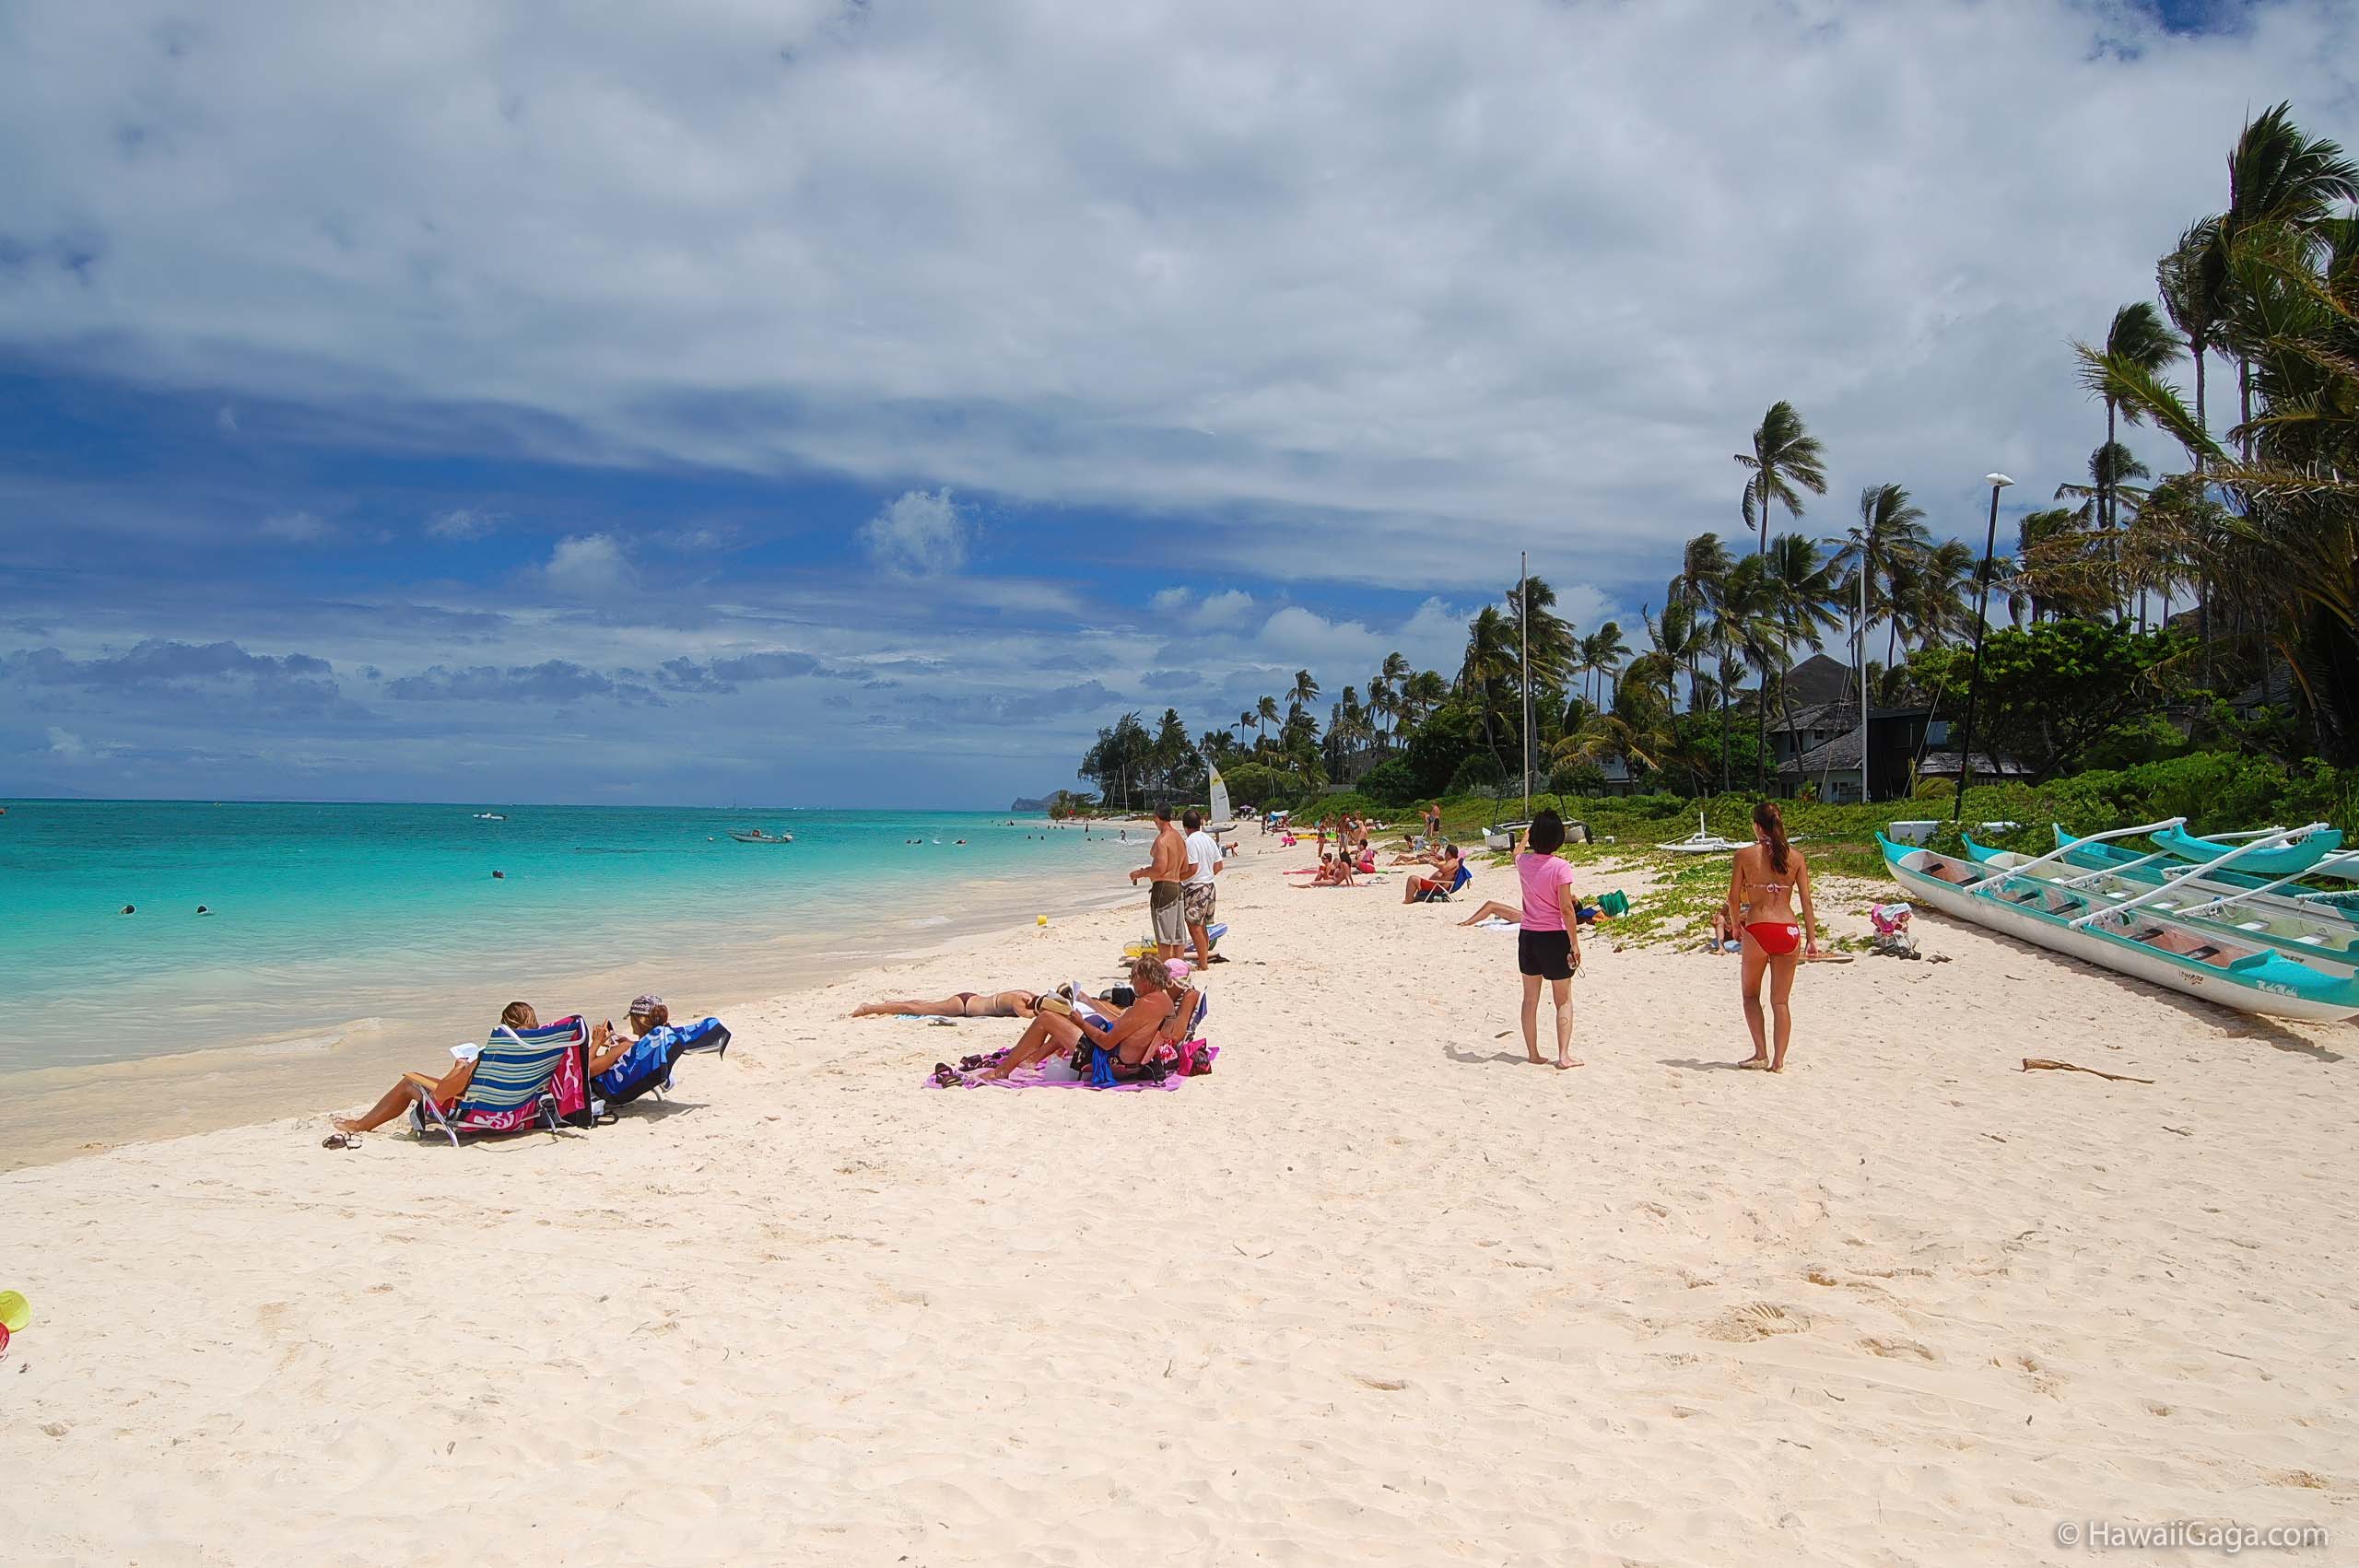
1548,955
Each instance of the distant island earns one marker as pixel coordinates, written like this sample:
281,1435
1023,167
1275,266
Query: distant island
1028,808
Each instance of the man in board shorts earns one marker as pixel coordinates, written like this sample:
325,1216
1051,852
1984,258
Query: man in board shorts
1166,875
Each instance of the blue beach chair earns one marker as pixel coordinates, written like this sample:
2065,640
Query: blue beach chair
654,1076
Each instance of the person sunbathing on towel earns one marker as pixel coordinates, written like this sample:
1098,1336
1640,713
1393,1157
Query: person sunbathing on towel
443,1091
966,1004
1128,1039
1332,872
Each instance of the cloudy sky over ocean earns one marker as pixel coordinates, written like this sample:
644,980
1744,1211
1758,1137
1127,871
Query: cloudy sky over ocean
861,403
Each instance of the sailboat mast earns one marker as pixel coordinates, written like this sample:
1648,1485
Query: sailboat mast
1860,657
1523,661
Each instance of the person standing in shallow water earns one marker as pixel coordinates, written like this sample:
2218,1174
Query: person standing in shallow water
1549,946
1767,878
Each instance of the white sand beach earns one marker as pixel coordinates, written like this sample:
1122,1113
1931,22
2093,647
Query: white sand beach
1375,1291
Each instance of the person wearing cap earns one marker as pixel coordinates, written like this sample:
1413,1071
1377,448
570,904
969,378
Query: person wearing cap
621,1058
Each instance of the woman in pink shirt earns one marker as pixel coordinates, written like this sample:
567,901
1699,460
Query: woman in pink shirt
1549,947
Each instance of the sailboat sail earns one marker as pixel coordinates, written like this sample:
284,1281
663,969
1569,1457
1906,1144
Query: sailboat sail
1220,796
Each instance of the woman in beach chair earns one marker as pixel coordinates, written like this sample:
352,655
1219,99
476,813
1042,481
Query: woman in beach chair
965,1004
1128,1039
1450,876
443,1091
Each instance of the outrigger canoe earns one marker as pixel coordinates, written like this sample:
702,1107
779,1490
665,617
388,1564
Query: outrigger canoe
2291,929
2290,859
2096,855
2192,961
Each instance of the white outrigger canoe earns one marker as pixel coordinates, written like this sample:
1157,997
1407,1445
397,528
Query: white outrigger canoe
2126,937
1703,843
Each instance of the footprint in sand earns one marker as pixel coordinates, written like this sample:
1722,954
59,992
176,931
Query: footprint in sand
1755,1320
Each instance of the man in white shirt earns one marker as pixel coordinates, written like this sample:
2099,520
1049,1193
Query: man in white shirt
1203,864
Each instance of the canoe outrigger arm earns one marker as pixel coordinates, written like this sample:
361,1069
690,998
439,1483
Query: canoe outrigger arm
2059,853
2197,873
2326,866
2097,876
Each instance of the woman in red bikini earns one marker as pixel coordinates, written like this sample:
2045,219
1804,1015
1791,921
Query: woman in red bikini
1762,887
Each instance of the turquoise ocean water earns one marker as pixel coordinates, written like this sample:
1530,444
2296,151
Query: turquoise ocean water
327,913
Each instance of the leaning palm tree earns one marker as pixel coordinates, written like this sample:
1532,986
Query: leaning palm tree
1264,715
1545,639
1784,455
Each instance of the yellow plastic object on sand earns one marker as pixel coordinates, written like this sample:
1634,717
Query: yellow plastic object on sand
15,1311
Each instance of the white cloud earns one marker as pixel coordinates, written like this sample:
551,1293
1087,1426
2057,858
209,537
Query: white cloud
1361,292
588,563
463,523
920,533
1170,601
65,743
296,528
224,419
1225,608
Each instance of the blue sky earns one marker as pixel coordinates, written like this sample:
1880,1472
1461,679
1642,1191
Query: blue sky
861,403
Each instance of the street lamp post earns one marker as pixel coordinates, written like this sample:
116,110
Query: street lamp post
1974,682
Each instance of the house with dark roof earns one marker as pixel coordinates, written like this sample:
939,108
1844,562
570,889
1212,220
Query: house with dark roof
1819,748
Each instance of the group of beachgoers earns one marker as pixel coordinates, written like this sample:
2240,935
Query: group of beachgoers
1769,880
617,1059
1143,1030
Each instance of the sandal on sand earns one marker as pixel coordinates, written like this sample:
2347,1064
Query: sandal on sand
947,1076
341,1141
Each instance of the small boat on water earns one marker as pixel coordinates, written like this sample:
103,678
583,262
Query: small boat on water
490,816
2125,937
2241,915
756,835
1703,843
2296,855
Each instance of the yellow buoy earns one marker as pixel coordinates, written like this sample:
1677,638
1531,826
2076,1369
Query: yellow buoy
1041,920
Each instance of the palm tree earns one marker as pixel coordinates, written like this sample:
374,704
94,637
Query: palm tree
2283,188
1264,715
1545,640
1421,693
1246,719
1800,592
2137,337
1751,635
2192,281
1887,543
1602,653
1488,668
1304,691
2051,577
1784,455
1702,585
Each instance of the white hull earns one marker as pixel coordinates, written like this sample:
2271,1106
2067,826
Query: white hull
2125,957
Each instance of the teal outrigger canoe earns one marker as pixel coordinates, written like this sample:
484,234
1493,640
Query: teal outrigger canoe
2138,943
2290,859
2293,928
2097,855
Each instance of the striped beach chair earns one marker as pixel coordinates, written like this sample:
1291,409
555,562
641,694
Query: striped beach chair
524,1078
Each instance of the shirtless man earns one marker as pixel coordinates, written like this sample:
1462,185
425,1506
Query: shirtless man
1166,875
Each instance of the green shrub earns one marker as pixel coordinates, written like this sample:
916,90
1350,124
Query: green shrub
1391,783
1479,770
